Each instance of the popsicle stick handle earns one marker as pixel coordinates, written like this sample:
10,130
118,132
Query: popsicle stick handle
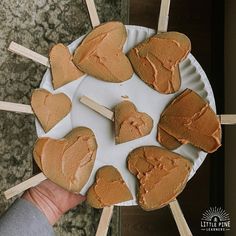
97,107
16,107
31,182
228,119
104,221
25,52
93,13
163,16
179,219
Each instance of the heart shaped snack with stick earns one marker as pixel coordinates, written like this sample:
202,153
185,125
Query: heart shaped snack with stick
68,162
100,54
190,119
109,188
129,123
156,60
62,68
162,175
49,108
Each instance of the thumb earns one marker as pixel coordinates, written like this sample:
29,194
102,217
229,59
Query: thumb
75,199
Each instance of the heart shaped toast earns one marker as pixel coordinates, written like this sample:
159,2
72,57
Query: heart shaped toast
49,108
129,123
62,68
100,54
109,188
68,162
190,119
162,175
156,60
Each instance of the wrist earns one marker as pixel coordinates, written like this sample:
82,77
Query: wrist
39,199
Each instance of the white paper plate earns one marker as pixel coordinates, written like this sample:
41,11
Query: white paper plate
109,94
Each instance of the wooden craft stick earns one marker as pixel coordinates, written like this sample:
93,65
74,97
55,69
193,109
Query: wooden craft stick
25,52
228,119
163,16
104,221
179,219
16,107
97,107
92,13
31,182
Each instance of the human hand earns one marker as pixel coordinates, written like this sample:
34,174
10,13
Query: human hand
52,200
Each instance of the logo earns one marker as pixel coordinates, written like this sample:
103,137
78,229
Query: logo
215,219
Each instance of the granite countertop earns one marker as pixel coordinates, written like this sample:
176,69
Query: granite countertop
39,24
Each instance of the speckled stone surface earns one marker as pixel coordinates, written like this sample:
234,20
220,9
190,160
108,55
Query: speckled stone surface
38,24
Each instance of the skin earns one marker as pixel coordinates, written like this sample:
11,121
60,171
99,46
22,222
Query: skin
52,200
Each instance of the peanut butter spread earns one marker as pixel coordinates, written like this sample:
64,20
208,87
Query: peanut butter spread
100,54
167,140
190,119
69,161
156,60
162,175
109,188
49,108
129,123
63,69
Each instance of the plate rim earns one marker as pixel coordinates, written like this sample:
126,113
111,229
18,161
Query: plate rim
202,155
